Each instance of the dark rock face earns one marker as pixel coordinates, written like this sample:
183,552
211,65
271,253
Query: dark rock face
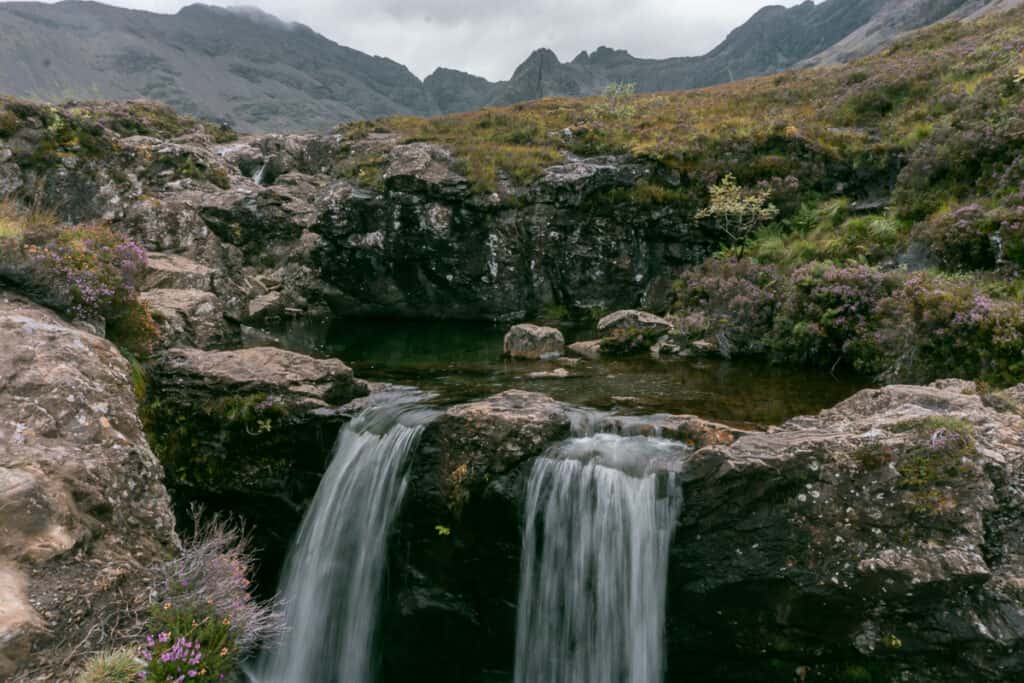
83,508
455,561
861,542
879,540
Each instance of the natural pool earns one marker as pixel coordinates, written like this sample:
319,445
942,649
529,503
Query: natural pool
461,361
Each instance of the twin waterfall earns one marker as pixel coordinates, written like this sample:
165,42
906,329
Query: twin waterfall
595,562
332,579
599,519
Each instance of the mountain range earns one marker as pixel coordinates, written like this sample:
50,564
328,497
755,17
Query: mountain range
257,73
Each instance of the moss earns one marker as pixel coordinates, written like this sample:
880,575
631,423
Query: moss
874,456
196,444
9,124
928,425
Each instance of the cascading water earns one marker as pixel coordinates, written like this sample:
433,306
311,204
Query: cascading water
599,518
333,576
257,177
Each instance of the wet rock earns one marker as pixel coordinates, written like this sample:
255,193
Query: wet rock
465,478
884,518
533,342
190,317
82,504
266,306
557,373
591,350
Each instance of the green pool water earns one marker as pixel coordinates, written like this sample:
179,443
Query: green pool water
461,361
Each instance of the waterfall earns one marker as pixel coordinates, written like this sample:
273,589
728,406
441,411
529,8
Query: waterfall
257,177
332,578
599,519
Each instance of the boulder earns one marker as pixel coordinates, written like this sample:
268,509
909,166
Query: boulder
533,342
190,317
647,324
294,378
465,479
83,508
591,349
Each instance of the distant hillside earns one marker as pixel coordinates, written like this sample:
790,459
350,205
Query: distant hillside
774,39
257,73
239,66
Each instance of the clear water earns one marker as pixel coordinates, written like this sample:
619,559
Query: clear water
461,361
599,520
332,578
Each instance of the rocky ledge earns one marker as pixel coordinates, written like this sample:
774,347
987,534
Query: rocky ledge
83,510
248,431
880,540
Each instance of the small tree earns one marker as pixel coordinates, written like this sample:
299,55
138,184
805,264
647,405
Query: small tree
617,101
736,211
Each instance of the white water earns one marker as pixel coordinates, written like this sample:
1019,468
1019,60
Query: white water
332,579
258,175
599,520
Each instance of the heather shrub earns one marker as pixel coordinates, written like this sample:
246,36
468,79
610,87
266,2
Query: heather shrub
205,620
936,326
730,301
116,666
89,272
827,312
963,239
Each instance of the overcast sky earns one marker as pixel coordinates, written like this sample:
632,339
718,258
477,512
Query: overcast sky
491,37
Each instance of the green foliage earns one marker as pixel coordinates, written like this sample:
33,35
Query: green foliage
115,666
617,101
736,211
9,124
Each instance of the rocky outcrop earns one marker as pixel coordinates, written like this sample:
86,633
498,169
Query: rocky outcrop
879,540
83,509
533,342
361,225
248,432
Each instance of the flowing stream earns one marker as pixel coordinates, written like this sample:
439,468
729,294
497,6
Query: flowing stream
332,581
599,520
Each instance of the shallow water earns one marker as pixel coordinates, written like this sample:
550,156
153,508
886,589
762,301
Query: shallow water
461,361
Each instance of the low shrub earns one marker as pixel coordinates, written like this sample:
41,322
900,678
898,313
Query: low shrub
895,325
934,326
963,239
89,272
205,620
827,312
731,301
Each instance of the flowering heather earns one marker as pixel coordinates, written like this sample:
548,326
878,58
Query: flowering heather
207,620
